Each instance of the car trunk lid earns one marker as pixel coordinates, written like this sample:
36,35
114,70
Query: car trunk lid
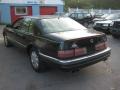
73,35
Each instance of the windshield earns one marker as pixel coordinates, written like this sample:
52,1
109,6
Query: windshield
61,24
113,16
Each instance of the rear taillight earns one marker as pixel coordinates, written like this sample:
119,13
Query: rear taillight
65,54
101,46
71,53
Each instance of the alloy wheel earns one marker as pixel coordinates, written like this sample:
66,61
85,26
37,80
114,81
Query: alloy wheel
34,59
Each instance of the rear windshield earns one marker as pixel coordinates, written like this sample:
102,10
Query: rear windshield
60,25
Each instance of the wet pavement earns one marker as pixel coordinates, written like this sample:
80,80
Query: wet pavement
17,74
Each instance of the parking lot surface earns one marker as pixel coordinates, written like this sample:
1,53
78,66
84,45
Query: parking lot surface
17,74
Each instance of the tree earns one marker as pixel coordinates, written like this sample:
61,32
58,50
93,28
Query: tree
115,4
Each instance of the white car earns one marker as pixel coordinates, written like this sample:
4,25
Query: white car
104,25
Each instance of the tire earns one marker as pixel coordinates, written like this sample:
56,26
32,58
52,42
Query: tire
37,64
115,36
7,43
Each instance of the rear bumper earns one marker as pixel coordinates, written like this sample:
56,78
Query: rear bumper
81,61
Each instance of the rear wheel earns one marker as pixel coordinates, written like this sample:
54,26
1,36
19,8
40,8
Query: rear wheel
36,62
7,43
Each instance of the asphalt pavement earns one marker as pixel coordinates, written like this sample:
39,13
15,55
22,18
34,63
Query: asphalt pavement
17,74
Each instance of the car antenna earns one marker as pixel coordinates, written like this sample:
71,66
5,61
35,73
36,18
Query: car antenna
59,16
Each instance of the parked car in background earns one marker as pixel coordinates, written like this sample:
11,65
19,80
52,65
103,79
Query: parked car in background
83,18
104,25
98,15
57,41
115,29
101,18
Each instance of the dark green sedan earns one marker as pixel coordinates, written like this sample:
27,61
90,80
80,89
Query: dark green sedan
59,42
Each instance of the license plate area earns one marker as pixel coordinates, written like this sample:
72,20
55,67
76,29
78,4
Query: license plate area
80,51
91,49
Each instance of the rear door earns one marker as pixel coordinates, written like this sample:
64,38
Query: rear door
25,33
12,31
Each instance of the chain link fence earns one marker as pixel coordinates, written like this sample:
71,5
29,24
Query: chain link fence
94,11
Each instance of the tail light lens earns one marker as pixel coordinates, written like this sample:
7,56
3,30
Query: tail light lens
65,54
101,46
71,53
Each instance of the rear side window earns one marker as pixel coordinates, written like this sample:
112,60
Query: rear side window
25,25
17,25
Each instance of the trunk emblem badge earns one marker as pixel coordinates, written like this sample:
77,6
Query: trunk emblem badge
74,45
91,41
